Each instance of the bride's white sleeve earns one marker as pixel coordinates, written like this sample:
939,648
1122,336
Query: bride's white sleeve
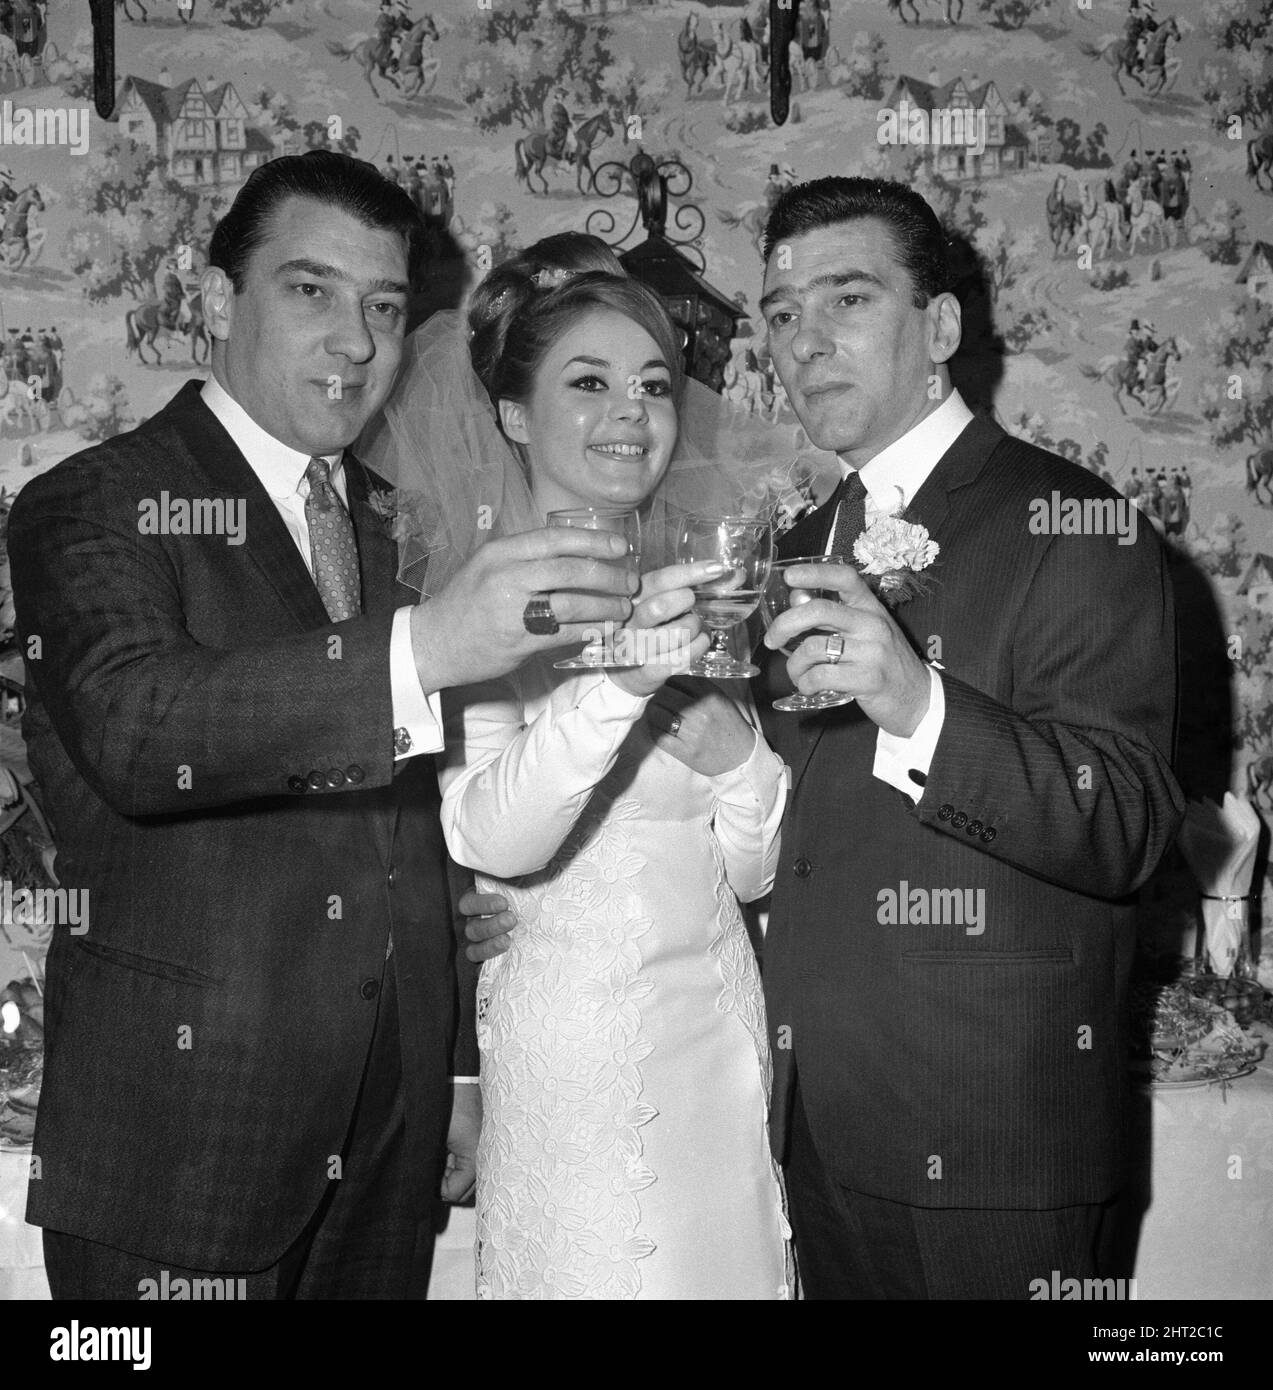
749,804
511,791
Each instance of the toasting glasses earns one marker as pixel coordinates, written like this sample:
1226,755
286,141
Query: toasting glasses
601,655
746,545
778,597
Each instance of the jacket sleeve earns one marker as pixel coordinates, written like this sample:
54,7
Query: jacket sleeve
1074,776
154,721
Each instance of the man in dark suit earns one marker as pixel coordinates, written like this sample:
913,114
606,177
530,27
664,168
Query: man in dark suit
951,933
231,706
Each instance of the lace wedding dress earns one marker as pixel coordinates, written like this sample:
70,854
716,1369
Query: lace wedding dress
625,1063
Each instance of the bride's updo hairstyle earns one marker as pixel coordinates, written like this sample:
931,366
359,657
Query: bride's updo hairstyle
524,306
551,260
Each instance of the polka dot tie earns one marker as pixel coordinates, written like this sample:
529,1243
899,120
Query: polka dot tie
332,545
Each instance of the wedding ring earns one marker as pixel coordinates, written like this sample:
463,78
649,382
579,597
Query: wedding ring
675,727
835,648
539,619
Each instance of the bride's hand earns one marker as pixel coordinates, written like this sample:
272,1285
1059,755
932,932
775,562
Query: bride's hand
663,631
711,736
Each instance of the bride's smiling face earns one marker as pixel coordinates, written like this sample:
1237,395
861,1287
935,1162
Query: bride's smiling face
600,423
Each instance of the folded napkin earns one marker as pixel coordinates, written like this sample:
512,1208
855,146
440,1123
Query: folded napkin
1219,844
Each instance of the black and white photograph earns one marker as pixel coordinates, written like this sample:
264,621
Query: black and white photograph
636,660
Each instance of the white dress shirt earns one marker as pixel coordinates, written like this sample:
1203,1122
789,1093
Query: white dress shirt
282,474
905,464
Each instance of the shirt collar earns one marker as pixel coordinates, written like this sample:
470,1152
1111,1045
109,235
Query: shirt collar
907,462
279,467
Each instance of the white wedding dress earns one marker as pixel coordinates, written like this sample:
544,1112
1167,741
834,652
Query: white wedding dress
625,1062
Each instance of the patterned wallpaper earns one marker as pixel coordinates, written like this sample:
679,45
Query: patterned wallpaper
1107,172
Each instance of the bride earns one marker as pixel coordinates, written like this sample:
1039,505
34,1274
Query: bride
625,1064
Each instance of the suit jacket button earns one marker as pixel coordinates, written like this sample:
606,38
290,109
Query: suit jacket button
317,781
988,834
297,784
354,774
959,819
975,827
802,868
945,812
369,989
335,777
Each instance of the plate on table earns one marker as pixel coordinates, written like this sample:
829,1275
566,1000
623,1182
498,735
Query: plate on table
1203,1073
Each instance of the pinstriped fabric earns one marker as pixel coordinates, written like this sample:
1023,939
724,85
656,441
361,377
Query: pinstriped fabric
945,1063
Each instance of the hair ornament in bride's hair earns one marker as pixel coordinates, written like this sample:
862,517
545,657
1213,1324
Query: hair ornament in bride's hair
551,277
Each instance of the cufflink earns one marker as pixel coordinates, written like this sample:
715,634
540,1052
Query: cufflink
919,778
401,742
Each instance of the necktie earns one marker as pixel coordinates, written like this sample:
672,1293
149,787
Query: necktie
850,516
332,545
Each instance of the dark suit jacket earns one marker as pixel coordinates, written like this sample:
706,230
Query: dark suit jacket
216,758
938,1066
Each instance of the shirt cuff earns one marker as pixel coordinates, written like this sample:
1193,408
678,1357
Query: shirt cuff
904,762
753,777
415,713
465,1080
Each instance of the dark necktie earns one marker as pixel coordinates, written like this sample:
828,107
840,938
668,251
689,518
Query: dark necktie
850,516
332,545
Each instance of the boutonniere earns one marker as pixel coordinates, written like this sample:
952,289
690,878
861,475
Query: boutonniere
892,553
396,511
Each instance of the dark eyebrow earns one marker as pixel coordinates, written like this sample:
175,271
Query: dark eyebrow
302,265
601,362
833,280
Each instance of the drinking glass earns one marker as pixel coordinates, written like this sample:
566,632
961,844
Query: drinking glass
600,655
746,545
777,598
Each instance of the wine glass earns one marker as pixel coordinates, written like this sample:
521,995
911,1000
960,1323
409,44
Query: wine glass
745,544
601,654
777,598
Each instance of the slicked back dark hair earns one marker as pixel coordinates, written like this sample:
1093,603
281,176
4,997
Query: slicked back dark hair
325,176
919,243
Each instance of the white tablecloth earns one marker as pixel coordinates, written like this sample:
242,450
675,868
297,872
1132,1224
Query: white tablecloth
21,1248
1207,1229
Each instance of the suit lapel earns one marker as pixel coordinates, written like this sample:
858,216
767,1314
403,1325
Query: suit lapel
958,467
377,551
268,544
809,535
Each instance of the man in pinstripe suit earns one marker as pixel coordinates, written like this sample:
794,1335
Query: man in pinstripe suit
950,1100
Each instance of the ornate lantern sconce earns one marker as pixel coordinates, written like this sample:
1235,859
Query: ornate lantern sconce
706,318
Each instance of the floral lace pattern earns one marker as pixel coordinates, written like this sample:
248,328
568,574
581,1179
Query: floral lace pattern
560,1168
742,996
